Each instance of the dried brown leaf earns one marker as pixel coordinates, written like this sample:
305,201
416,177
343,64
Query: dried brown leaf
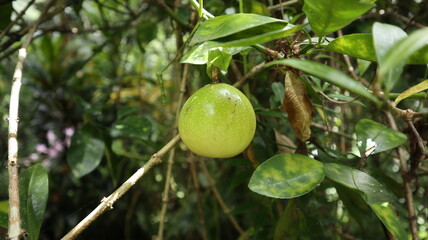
297,105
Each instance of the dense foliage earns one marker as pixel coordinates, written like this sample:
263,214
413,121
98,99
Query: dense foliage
336,153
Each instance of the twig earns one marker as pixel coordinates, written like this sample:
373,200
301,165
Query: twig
198,195
14,227
406,182
107,203
220,200
404,19
253,71
11,24
331,131
165,195
281,5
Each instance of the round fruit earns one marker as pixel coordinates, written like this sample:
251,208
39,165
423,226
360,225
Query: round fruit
217,121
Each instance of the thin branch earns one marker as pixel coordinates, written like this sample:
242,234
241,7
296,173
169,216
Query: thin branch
282,5
11,24
107,203
404,19
14,226
406,182
165,195
220,200
253,71
331,131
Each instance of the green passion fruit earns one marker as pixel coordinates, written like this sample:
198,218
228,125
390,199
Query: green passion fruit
217,121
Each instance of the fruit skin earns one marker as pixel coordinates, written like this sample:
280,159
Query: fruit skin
217,121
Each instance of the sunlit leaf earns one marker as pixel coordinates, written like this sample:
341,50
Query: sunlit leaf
327,16
85,152
358,45
328,74
218,57
372,191
384,137
298,106
391,221
287,176
385,38
33,193
132,126
199,53
226,25
413,90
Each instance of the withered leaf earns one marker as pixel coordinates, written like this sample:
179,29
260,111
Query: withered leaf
297,105
284,144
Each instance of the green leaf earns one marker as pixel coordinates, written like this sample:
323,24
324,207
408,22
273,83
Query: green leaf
385,138
411,91
218,57
419,57
391,221
287,176
372,190
327,16
226,25
354,203
328,74
358,45
199,53
291,224
252,37
403,50
33,193
132,126
6,10
4,209
85,152
385,38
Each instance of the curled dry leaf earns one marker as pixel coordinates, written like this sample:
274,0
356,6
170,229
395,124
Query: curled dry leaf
297,105
285,144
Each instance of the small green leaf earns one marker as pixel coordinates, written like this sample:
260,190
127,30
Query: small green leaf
391,221
354,203
132,126
287,176
358,45
218,57
328,74
33,193
4,205
226,25
327,16
385,138
385,38
86,151
411,91
403,50
372,190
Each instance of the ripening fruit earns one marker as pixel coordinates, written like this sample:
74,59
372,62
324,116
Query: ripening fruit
217,121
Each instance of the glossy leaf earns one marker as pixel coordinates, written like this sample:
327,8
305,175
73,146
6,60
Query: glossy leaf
252,37
403,50
372,191
354,203
385,37
413,90
4,205
218,57
358,45
132,126
298,106
385,138
226,25
33,192
286,176
85,153
328,74
327,16
199,53
386,214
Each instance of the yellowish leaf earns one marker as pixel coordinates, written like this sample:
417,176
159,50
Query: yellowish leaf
413,90
297,105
